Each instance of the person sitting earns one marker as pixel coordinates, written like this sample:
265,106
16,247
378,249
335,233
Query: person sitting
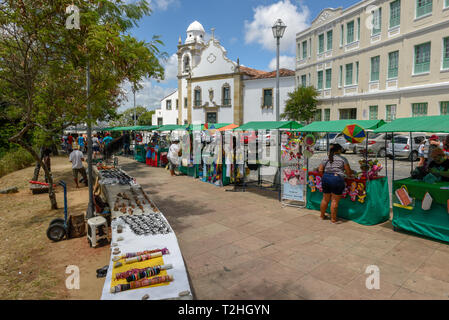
439,165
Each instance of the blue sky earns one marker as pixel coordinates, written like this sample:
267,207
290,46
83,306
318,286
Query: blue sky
242,26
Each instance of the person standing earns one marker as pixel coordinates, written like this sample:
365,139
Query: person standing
70,142
446,146
77,158
126,142
95,146
333,169
81,143
173,156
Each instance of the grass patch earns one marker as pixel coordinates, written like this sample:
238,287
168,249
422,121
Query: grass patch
15,160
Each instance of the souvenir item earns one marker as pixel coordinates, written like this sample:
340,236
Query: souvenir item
148,223
319,184
403,196
361,193
345,192
353,191
312,183
354,133
137,274
427,202
141,283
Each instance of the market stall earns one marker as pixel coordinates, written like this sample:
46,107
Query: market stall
421,206
146,262
366,198
158,147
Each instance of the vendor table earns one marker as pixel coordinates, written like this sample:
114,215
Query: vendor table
433,223
191,170
137,243
140,154
374,210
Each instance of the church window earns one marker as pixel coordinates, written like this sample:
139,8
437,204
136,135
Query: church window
197,97
226,90
186,63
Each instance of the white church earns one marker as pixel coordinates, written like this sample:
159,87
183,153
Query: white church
214,89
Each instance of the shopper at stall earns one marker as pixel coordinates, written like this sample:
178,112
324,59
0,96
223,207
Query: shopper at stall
446,145
173,156
77,158
95,146
333,169
439,165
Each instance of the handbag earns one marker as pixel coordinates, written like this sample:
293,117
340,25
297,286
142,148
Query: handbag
427,202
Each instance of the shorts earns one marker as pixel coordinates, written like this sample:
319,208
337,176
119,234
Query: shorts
96,148
172,165
82,171
334,184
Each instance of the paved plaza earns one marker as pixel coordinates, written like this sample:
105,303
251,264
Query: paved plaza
244,245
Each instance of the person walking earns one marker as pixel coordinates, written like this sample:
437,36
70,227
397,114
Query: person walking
95,146
173,156
333,169
81,143
70,143
77,158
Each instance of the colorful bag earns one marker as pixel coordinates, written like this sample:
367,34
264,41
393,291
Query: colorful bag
403,196
427,202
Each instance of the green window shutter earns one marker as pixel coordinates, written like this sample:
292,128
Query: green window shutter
389,116
268,97
446,3
321,43
350,32
357,72
340,81
422,58
375,67
419,109
329,40
342,35
327,114
328,78
393,64
318,115
304,80
423,7
304,49
373,112
377,21
348,74
446,53
320,80
358,28
395,13
444,108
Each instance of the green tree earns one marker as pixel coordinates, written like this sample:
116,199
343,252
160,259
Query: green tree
146,119
126,118
301,105
43,65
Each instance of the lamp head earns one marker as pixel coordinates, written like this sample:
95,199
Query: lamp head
278,29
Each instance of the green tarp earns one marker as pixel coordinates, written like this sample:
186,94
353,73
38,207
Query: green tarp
269,125
417,124
433,223
372,212
191,127
170,127
339,125
133,128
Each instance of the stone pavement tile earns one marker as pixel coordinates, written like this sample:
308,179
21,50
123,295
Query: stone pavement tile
311,288
268,222
284,215
355,262
334,273
253,288
427,285
332,241
358,287
321,252
231,235
273,235
343,294
434,271
443,247
229,277
423,242
232,222
406,294
278,274
296,243
272,252
439,258
394,235
213,229
284,295
251,243
196,247
405,258
229,251
415,247
191,234
251,228
374,247
393,274
209,288
301,261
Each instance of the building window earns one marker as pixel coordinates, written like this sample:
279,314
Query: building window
375,67
358,28
342,35
395,13
348,114
419,109
329,40
446,53
304,80
423,7
327,114
444,108
186,122
186,63
197,97
422,58
393,64
446,3
349,70
350,32
304,49
186,101
390,112
320,80
328,78
377,21
177,104
321,43
168,104
267,97
317,116
160,121
211,117
298,52
226,95
340,81
357,72
373,112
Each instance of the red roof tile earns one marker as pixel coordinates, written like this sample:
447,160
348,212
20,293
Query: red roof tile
258,74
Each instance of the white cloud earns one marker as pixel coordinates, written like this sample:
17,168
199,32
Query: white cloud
149,96
287,62
163,4
171,68
259,29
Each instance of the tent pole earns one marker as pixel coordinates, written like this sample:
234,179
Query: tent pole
392,141
411,151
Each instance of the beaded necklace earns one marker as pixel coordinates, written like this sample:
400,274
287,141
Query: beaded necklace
141,283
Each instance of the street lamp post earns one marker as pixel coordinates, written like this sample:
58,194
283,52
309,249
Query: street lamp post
278,32
90,208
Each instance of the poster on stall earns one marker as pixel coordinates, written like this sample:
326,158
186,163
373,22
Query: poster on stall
293,184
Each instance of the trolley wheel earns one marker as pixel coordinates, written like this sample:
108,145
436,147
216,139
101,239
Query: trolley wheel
56,232
57,220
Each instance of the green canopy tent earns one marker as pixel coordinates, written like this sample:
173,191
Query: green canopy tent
433,223
339,125
192,127
170,127
269,125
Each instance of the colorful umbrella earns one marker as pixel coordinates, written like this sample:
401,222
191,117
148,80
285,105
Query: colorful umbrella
354,133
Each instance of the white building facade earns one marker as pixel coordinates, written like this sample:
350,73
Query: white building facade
214,89
168,112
